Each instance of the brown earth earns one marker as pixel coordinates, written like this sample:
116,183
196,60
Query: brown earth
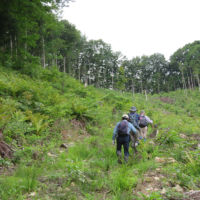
74,131
167,100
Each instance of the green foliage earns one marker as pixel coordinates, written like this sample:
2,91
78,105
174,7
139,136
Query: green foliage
5,112
152,196
37,121
5,162
120,84
92,163
78,110
169,137
16,130
120,183
29,177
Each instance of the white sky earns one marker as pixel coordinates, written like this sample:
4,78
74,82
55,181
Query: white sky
138,27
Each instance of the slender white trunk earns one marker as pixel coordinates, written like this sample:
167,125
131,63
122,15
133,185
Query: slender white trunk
79,70
191,79
85,73
198,81
133,88
146,94
89,74
64,64
112,78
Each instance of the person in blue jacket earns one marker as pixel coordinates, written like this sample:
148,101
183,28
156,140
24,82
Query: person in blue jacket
123,139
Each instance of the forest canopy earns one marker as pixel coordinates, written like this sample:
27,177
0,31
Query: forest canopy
33,35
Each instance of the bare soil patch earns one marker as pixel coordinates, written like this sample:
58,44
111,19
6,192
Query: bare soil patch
195,136
167,100
74,131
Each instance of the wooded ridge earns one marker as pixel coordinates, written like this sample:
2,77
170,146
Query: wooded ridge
32,34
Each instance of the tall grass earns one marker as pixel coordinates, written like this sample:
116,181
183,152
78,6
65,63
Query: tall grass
28,177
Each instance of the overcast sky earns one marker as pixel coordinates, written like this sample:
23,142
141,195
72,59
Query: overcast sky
138,27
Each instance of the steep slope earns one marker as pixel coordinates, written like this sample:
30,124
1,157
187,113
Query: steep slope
60,133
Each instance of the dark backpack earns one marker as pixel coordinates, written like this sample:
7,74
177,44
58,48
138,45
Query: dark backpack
132,119
123,129
143,122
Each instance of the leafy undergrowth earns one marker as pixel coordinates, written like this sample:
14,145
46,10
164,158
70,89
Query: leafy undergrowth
60,133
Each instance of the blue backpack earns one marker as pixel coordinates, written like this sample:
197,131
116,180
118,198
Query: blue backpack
122,129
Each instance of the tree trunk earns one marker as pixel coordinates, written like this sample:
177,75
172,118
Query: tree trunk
79,70
11,46
189,82
192,84
198,81
16,46
53,54
89,74
112,78
43,54
97,76
184,84
64,59
146,94
85,73
104,84
133,89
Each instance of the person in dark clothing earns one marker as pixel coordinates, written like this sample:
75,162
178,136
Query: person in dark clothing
134,119
123,139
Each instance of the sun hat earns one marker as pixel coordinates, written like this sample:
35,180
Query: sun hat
133,108
125,116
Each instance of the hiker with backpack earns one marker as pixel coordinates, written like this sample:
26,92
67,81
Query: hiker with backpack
143,123
122,134
133,119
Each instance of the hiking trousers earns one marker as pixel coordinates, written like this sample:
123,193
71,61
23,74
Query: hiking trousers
125,142
134,138
143,132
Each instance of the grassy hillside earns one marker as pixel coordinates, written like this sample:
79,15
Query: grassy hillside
40,110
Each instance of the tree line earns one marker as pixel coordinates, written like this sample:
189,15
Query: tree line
33,34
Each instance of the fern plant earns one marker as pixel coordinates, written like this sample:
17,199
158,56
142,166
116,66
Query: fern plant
78,110
38,121
5,113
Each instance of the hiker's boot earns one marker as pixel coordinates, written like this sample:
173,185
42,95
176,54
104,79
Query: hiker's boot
119,158
126,159
140,138
119,155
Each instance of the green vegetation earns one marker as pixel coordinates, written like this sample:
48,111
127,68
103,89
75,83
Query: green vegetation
56,127
38,115
41,39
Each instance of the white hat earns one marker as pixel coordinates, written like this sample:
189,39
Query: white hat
125,116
